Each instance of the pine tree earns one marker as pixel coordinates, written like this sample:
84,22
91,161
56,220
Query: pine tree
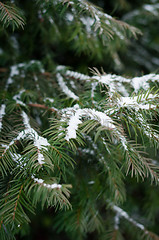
78,141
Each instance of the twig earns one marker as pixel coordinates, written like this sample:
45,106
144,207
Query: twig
41,106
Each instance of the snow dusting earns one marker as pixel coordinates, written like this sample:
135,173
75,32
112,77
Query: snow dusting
133,102
115,82
13,72
50,186
77,75
75,120
116,221
17,98
49,99
122,213
39,142
64,87
152,8
2,113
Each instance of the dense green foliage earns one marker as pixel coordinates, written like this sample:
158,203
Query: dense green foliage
79,120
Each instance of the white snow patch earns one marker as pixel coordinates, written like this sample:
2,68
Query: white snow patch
17,98
69,17
74,121
142,82
38,141
51,186
133,103
49,99
2,113
88,22
13,72
77,75
64,88
152,8
122,213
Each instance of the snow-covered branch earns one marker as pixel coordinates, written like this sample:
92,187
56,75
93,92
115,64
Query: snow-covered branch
122,214
29,133
49,186
64,87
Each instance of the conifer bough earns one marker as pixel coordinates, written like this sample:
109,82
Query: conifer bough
75,141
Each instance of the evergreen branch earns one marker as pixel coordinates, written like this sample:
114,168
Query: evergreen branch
16,201
114,180
145,128
139,102
11,15
49,194
140,165
64,88
6,232
15,70
102,21
33,153
117,83
122,214
6,159
77,114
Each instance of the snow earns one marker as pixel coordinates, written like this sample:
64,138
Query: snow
91,182
25,120
74,121
93,87
51,186
64,88
14,42
49,99
147,129
69,17
75,114
36,82
2,113
17,98
13,72
116,220
115,82
105,144
123,141
73,126
122,213
133,102
38,180
15,156
39,142
77,75
142,82
152,8
73,84
88,22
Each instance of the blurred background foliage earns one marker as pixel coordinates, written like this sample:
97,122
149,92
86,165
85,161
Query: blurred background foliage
53,43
